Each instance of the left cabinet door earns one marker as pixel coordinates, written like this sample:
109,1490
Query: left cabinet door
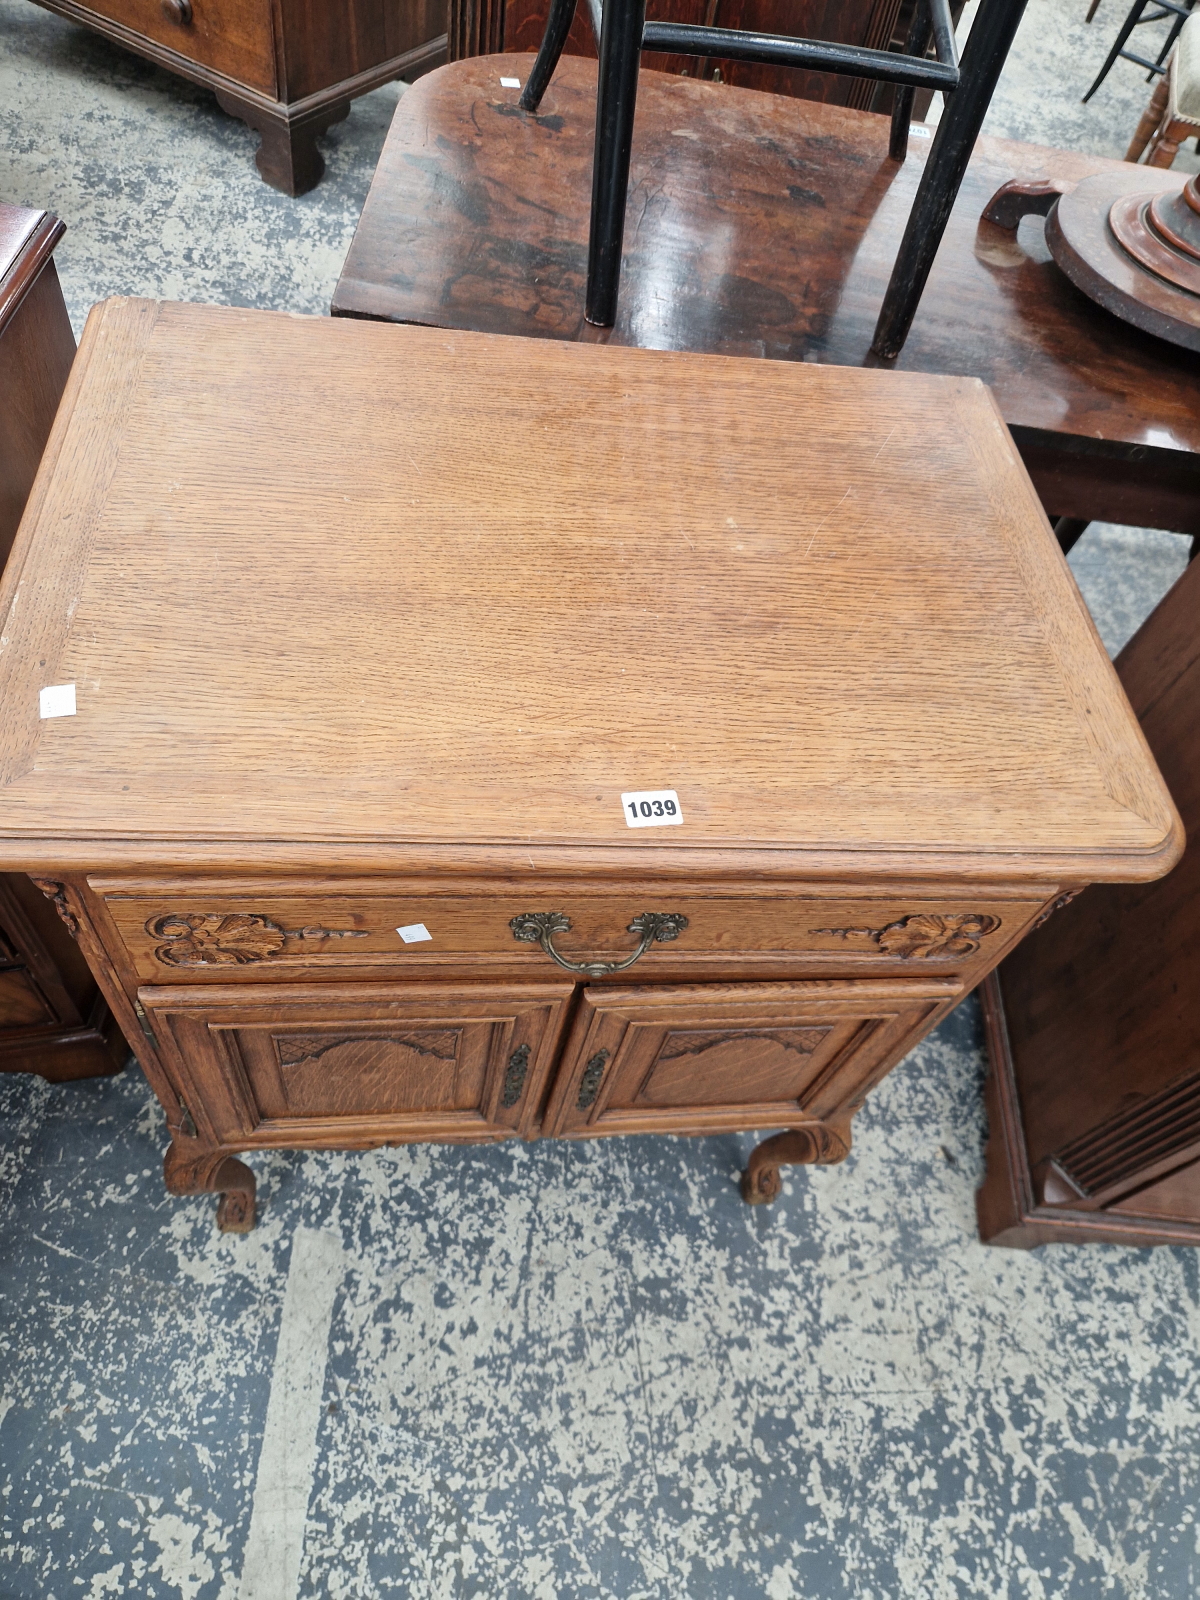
332,1064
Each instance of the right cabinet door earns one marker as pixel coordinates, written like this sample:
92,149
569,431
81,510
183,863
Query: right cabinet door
706,1057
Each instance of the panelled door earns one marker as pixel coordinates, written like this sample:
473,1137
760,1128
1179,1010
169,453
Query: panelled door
344,1064
725,1056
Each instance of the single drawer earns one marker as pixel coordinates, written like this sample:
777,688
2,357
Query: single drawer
233,37
250,935
358,1065
724,1056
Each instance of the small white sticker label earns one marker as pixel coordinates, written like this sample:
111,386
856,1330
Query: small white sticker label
57,701
651,808
510,83
918,132
414,933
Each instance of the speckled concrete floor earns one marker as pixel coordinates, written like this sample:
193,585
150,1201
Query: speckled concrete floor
562,1370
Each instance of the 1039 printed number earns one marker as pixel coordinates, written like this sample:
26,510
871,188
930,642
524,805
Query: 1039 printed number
651,808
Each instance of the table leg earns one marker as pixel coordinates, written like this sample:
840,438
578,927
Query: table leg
616,97
982,61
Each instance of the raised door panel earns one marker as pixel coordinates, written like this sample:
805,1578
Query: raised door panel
360,1065
713,1056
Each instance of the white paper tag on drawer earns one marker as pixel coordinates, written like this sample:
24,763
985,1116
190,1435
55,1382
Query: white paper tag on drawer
414,933
57,701
652,808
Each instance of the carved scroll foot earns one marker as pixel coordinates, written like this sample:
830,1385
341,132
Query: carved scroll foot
187,1171
816,1145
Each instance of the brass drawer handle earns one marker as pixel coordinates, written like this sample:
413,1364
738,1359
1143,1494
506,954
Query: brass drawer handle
539,927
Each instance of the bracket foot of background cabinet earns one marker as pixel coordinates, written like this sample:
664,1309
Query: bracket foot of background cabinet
287,157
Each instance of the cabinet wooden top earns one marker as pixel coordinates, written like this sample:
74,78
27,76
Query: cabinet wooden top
339,595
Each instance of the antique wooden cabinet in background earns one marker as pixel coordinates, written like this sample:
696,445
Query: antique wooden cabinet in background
52,1018
485,27
496,737
289,68
1094,1024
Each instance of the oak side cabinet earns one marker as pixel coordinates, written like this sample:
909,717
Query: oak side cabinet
441,736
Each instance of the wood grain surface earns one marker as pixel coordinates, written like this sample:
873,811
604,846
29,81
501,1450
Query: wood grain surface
760,225
465,590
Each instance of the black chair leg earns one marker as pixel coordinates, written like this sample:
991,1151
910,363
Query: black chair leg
982,62
558,26
1127,27
616,98
915,45
1162,55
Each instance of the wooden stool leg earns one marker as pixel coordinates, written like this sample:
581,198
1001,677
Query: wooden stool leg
1165,145
616,99
1151,118
558,26
816,1145
1127,27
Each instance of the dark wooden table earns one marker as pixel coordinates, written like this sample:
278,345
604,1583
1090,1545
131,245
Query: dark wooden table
762,225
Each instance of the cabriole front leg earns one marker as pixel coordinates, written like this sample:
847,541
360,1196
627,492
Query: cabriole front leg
188,1169
815,1145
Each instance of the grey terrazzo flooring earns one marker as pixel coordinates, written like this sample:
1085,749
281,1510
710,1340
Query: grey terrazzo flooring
555,1370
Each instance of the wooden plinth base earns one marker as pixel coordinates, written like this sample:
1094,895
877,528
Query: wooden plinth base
1006,1205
